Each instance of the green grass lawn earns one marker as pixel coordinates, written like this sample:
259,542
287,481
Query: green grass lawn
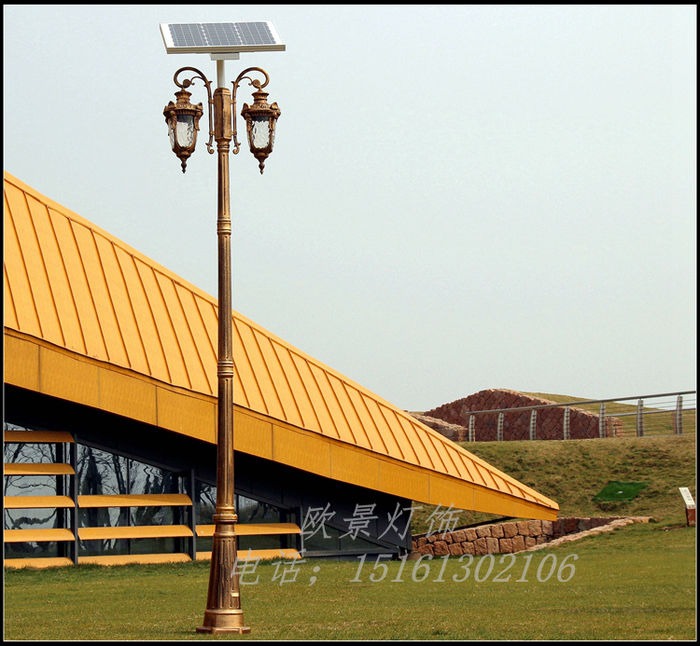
637,583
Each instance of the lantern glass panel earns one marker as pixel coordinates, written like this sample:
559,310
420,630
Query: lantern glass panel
260,136
185,130
171,134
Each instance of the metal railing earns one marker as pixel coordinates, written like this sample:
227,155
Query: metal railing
656,414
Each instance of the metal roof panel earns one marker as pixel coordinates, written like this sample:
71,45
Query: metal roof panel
73,285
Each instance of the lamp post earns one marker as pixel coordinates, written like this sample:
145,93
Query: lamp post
223,612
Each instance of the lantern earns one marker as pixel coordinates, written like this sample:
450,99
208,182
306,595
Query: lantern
183,122
260,118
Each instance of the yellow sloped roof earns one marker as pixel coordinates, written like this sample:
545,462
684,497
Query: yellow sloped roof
73,288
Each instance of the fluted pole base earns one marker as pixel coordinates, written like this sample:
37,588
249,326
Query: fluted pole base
223,612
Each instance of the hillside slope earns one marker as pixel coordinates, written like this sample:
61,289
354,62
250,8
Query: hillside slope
572,472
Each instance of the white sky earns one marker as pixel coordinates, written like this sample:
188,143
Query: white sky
460,197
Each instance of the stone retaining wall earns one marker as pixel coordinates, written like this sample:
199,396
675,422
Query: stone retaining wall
503,538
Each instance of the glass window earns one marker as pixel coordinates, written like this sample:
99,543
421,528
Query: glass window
249,511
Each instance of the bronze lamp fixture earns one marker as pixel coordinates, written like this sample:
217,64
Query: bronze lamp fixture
183,123
260,118
183,117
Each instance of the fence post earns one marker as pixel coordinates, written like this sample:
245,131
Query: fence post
499,428
601,420
640,418
679,415
567,423
533,424
471,428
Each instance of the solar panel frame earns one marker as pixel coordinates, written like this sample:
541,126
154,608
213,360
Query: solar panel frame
220,38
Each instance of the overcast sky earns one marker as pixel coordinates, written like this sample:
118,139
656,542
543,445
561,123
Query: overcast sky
460,197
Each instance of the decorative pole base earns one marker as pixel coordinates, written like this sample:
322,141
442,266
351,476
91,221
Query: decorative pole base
223,621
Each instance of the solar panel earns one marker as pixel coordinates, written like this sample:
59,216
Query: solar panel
220,37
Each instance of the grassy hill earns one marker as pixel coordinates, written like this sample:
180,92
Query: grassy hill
572,472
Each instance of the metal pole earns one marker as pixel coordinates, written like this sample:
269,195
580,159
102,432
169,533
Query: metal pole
679,415
499,430
74,491
471,428
224,613
61,491
567,423
194,511
640,418
601,420
533,424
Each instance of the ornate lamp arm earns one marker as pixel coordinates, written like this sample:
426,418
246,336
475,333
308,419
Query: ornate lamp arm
190,81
